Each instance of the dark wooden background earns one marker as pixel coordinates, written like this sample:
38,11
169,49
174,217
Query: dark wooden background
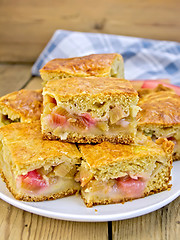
27,25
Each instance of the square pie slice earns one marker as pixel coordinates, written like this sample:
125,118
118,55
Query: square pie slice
21,106
35,169
160,116
99,65
113,173
90,110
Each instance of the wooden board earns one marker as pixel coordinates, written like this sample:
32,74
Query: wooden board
27,26
162,224
35,83
13,77
19,224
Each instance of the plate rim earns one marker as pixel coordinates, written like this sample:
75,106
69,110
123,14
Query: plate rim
90,218
97,218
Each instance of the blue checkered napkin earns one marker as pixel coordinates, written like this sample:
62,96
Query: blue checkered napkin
144,58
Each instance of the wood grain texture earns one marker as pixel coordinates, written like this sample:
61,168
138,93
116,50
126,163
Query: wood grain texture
35,83
163,224
13,77
26,26
16,224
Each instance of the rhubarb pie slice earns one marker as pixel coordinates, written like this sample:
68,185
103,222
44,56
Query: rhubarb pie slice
90,110
35,169
21,106
99,65
160,117
113,173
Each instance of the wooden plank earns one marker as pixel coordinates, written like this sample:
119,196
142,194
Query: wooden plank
162,224
35,83
18,224
13,77
26,26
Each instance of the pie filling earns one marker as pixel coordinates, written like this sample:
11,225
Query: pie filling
128,186
41,181
60,121
5,120
174,137
115,189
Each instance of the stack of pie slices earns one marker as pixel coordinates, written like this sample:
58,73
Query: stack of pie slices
88,131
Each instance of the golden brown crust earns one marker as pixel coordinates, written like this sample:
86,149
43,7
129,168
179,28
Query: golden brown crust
144,91
160,109
28,198
26,104
91,86
92,65
85,139
160,115
28,149
97,96
107,153
167,146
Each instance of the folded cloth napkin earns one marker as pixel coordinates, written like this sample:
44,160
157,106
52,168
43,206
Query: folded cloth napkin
144,58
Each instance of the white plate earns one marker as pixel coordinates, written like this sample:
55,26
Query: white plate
73,209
